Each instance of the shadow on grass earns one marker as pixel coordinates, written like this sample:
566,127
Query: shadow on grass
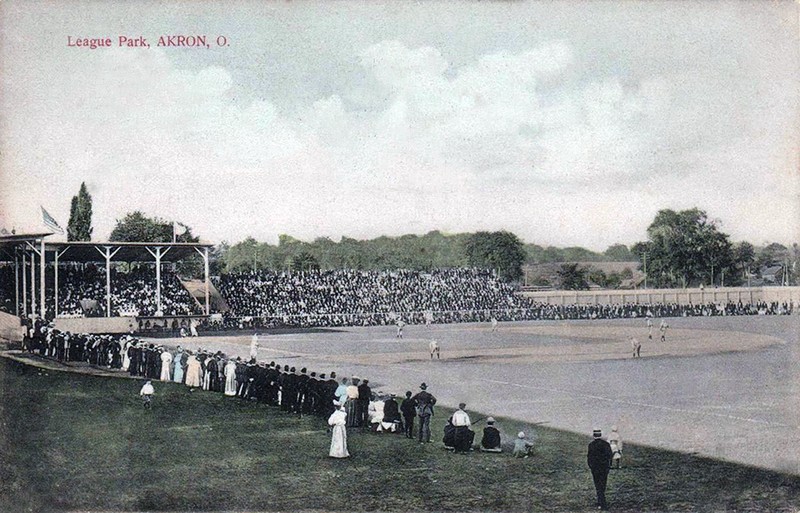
78,442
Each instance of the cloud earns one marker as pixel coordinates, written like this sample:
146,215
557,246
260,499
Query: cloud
507,140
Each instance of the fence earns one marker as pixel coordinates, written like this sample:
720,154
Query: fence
723,295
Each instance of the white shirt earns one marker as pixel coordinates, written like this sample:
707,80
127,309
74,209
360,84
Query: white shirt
147,389
460,418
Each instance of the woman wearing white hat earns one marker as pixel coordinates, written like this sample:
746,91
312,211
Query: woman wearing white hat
338,421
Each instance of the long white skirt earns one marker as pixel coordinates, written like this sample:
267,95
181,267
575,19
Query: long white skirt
339,442
230,384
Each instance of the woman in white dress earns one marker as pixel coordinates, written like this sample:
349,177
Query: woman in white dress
338,421
193,372
166,363
230,377
126,360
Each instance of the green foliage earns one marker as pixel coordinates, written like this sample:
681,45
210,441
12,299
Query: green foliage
685,248
136,227
304,261
502,251
611,280
79,227
619,253
432,250
573,277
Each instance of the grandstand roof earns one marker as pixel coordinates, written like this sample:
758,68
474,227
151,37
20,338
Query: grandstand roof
10,241
91,251
125,251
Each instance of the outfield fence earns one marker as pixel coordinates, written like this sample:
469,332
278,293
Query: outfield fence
697,296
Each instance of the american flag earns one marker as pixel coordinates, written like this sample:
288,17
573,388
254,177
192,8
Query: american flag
50,222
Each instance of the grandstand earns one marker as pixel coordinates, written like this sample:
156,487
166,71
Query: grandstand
70,281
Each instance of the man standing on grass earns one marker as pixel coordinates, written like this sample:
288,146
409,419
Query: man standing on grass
425,402
599,460
409,409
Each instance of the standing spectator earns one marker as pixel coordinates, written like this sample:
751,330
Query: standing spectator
166,362
351,405
364,397
178,362
491,437
230,377
338,421
425,402
409,409
146,393
193,371
599,460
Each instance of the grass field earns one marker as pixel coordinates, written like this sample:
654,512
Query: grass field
76,442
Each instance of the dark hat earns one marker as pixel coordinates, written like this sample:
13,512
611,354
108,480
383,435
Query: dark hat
597,433
423,386
462,405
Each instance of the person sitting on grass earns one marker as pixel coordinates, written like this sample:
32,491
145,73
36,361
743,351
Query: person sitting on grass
146,394
522,447
491,437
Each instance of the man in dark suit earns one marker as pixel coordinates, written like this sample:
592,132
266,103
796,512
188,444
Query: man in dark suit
409,409
599,460
364,397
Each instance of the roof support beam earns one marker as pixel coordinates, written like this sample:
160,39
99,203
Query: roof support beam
204,254
157,255
57,254
106,252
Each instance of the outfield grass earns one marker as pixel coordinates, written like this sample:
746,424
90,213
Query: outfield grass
76,442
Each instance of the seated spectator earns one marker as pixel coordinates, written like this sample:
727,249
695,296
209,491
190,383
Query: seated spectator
522,447
491,437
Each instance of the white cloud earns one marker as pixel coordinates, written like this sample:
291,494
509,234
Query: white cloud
503,141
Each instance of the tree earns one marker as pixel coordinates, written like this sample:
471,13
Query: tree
502,251
304,261
619,253
136,227
573,277
744,256
79,227
685,248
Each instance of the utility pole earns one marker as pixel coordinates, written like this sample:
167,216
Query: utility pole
644,257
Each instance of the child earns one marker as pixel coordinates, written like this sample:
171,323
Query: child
616,448
147,392
522,447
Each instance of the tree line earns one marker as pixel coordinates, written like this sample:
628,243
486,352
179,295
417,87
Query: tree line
683,249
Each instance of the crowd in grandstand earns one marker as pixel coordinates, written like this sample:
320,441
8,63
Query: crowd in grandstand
354,298
348,297
82,292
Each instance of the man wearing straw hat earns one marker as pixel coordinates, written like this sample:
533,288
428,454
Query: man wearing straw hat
599,460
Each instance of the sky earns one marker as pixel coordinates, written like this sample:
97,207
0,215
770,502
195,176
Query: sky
567,123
